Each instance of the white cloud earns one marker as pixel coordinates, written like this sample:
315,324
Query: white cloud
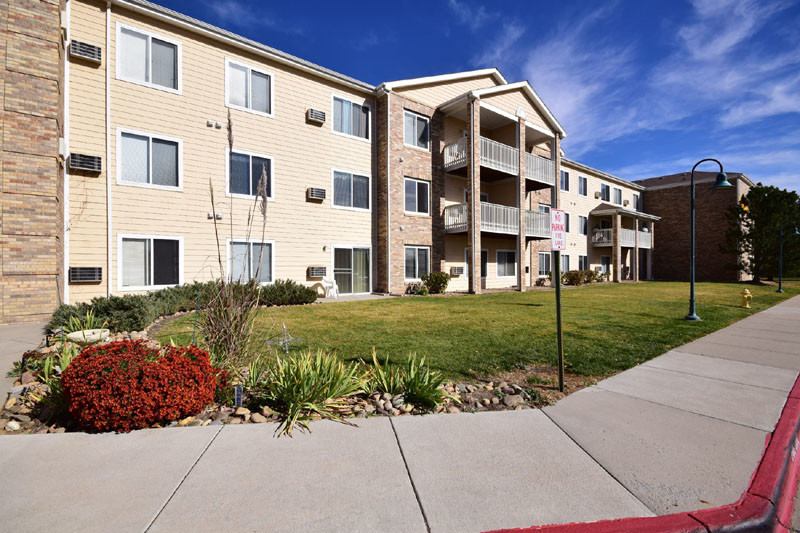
472,17
499,50
234,13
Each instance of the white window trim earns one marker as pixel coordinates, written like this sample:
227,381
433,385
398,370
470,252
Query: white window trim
271,197
585,189
565,256
150,35
121,236
614,196
417,213
229,254
427,119
610,193
496,261
357,102
466,262
333,190
150,137
271,114
568,222
416,247
579,225
566,173
351,246
551,265
549,209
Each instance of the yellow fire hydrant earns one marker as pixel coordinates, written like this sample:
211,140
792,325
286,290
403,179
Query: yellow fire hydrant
746,297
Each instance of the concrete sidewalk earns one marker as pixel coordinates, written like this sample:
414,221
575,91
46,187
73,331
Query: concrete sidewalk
684,431
15,340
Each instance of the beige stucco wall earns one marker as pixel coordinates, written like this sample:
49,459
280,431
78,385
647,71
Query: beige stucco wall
304,155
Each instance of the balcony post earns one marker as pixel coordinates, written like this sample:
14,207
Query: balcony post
616,247
474,194
522,278
635,261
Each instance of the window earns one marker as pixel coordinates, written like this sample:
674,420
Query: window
544,209
417,196
636,202
564,181
244,173
566,222
149,262
350,118
506,263
605,192
484,196
544,264
617,196
147,59
418,262
247,88
583,186
147,160
583,262
350,190
564,263
351,269
583,225
416,130
251,260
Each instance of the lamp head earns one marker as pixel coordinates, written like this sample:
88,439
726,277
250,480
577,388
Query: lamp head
722,182
794,230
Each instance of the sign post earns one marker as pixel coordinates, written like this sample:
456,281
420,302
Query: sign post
558,240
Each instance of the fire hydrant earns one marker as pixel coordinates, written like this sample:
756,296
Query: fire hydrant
746,297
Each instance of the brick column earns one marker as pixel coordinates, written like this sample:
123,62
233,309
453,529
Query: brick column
474,194
635,261
522,204
650,251
616,247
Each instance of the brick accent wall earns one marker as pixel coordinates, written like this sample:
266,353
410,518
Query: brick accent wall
31,184
402,161
671,255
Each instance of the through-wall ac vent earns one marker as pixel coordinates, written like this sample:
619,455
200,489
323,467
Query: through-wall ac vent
85,274
456,271
317,271
626,202
86,51
92,163
315,115
597,194
315,193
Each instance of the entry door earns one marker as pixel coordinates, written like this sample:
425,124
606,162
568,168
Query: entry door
351,270
605,262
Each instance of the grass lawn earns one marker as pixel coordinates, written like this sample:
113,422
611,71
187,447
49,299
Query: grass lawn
607,328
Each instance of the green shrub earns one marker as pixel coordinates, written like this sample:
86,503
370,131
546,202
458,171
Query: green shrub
436,282
573,277
287,292
310,385
385,378
421,385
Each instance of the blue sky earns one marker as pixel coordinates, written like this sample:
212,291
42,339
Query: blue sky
643,88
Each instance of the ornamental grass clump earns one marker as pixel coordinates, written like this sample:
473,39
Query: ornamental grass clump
422,386
384,378
308,386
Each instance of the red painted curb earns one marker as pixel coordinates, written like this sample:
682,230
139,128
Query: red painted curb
766,505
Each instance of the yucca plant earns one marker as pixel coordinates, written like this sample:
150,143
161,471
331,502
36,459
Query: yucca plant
89,321
384,378
310,385
422,386
255,372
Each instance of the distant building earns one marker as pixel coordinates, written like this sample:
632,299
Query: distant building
668,198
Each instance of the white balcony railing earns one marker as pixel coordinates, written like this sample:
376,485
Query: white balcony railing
628,237
539,169
455,155
497,219
499,156
603,237
645,239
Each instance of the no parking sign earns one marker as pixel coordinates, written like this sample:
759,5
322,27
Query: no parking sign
558,230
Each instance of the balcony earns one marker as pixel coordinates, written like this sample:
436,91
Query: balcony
603,238
497,219
502,158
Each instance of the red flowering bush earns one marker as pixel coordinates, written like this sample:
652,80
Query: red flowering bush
127,385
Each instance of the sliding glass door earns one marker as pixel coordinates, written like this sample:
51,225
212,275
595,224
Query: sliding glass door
351,268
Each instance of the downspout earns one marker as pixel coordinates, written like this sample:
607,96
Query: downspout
388,192
108,149
65,278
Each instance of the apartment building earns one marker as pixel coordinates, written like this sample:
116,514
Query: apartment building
149,112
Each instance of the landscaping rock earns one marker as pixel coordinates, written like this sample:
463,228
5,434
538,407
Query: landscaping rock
10,403
266,411
382,412
185,422
369,409
27,377
508,390
196,422
453,410
462,388
57,430
21,418
221,416
206,422
241,411
398,400
471,388
407,408
486,401
513,400
495,400
234,421
216,423
386,396
12,425
257,418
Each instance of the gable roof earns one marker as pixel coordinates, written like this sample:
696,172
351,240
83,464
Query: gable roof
390,85
528,91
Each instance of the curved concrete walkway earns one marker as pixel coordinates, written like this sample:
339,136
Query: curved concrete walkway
683,431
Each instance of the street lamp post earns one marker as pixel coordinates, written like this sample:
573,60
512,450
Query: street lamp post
780,257
721,182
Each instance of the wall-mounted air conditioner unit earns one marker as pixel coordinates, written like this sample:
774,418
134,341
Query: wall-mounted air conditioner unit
315,193
317,271
316,116
85,274
92,163
456,271
86,51
596,194
626,202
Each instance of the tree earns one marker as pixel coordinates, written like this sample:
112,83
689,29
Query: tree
753,234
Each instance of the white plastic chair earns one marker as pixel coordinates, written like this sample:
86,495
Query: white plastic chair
330,287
